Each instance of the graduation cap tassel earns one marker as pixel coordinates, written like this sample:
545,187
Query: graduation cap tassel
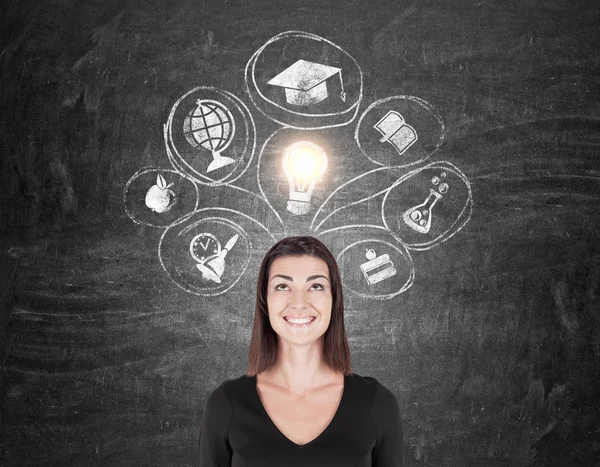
342,94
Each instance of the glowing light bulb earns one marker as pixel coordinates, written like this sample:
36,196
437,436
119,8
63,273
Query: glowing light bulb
304,163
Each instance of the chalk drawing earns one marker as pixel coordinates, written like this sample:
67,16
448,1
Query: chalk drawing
210,121
381,279
194,240
304,163
157,197
293,173
300,50
305,83
377,268
419,217
403,144
160,198
404,212
182,169
211,126
206,249
396,131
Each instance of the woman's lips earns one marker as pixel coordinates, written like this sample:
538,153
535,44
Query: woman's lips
299,325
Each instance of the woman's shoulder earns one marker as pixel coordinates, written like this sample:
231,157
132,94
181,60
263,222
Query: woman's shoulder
237,381
373,389
228,391
233,386
366,381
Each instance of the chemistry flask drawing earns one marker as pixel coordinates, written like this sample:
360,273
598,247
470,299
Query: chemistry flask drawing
210,126
419,217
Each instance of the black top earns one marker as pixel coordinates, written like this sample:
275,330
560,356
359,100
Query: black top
365,431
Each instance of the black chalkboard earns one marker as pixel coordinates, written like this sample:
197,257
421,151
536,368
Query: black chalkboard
142,180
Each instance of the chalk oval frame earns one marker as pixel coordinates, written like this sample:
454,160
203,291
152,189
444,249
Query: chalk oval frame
292,118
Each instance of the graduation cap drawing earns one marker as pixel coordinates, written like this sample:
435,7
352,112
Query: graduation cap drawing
305,82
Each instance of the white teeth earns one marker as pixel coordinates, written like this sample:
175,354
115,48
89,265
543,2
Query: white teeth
299,321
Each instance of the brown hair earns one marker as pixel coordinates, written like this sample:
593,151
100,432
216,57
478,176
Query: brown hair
263,343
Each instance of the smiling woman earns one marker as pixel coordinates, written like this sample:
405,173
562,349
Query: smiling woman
300,404
299,297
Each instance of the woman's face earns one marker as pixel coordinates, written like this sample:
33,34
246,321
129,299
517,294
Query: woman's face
299,286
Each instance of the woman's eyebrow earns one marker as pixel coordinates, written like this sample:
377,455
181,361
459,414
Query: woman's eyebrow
289,278
316,276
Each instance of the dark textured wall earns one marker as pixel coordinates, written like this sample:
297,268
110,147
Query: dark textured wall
493,353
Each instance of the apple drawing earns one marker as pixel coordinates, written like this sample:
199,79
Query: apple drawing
160,198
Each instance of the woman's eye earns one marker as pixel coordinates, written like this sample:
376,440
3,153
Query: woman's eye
281,287
320,287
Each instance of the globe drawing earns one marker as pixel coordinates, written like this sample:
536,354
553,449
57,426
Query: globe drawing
210,126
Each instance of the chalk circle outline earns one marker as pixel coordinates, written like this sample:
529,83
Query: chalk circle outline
423,103
251,68
404,253
244,233
249,140
456,226
144,170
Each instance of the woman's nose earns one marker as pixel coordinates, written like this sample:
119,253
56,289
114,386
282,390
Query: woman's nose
298,300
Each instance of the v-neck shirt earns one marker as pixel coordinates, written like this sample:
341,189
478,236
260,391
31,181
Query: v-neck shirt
365,431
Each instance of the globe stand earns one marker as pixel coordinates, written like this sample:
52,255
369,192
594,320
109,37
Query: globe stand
219,161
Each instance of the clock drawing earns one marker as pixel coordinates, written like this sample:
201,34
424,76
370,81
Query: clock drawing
204,246
206,249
